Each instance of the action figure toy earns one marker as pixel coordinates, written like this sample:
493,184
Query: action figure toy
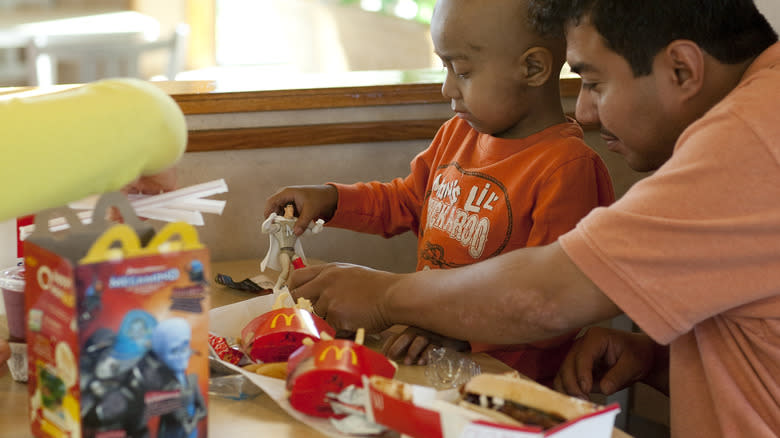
285,247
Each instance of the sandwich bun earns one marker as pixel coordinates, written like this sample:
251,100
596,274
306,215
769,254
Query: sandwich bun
524,392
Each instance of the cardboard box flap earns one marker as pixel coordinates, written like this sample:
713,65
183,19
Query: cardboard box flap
75,242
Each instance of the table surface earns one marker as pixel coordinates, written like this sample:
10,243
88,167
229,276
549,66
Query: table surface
232,418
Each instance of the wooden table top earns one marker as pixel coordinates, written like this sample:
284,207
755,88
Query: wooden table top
236,419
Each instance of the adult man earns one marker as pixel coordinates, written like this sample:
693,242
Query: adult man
689,253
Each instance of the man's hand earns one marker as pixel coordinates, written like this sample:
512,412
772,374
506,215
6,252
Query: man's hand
164,181
413,344
348,297
607,360
311,203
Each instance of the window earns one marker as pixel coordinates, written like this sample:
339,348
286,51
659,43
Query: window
324,35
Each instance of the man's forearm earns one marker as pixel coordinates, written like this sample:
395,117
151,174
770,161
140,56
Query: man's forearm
518,297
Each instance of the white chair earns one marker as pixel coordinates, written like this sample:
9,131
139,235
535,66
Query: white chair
13,71
101,56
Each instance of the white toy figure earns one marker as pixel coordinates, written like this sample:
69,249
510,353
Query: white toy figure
284,248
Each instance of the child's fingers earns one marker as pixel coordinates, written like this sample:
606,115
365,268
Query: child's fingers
397,346
416,350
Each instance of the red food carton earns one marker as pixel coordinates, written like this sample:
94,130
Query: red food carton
117,328
274,335
317,372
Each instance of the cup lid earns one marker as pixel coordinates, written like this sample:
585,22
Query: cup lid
13,278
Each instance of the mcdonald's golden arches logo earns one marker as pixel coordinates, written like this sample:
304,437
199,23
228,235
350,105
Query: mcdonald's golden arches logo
339,352
287,319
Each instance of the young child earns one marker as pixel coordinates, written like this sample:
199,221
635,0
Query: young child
508,171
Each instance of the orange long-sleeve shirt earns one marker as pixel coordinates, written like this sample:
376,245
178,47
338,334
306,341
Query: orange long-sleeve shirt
472,196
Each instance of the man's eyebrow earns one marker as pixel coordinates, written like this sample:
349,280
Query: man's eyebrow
582,67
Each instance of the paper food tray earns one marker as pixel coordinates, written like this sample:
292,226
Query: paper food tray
228,321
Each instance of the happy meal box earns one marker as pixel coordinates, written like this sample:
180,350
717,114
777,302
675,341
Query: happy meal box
117,328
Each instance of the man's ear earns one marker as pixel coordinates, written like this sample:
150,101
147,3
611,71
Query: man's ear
536,66
684,67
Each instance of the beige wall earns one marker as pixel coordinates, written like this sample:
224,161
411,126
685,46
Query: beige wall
253,175
771,10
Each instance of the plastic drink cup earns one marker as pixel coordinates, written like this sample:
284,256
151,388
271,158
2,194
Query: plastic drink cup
12,285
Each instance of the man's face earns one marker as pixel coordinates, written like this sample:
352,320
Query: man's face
633,117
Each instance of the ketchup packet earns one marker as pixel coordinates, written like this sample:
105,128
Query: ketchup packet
224,351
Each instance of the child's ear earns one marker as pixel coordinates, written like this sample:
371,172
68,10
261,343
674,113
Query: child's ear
536,66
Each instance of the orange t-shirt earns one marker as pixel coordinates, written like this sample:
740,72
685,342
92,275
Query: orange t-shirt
472,196
692,255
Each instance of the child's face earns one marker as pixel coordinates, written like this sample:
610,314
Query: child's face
480,43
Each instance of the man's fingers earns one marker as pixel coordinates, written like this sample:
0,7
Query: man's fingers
566,380
300,283
624,372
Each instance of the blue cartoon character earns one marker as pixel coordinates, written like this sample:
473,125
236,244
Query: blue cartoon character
90,305
196,272
178,400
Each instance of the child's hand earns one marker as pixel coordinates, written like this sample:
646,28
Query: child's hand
311,203
412,345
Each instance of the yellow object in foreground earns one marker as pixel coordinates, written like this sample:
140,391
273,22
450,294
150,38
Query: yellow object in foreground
65,145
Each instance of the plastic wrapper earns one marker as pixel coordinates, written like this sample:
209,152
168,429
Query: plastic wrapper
448,368
17,364
234,387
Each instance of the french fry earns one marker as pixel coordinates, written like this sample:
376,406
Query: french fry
276,370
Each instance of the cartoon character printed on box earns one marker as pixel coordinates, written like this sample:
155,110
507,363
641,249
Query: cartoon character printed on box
176,398
90,305
284,248
111,388
195,272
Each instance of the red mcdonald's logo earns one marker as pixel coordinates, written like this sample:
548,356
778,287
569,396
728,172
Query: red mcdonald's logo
287,319
338,353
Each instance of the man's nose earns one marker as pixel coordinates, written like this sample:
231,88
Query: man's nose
585,110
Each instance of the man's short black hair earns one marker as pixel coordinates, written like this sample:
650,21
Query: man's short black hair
732,31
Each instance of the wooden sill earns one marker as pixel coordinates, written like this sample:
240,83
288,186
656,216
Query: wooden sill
365,91
316,91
